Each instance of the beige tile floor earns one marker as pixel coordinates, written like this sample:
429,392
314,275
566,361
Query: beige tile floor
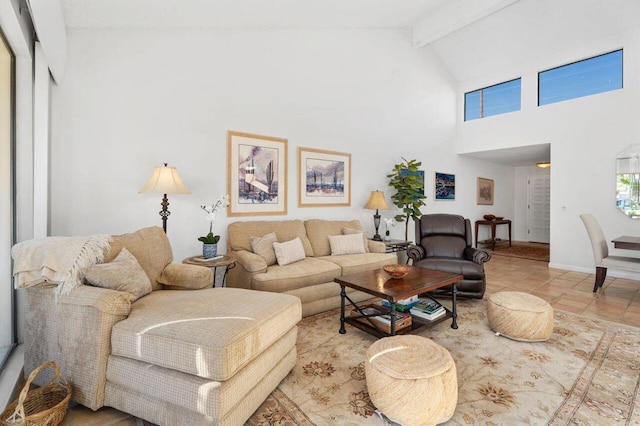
619,301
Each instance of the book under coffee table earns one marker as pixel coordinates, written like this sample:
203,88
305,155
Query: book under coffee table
380,284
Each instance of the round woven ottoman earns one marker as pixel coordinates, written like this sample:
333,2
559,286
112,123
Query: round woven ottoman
520,316
412,380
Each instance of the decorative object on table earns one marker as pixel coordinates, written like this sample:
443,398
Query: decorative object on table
376,202
489,217
324,178
428,309
388,222
164,180
396,270
210,241
45,405
445,187
256,174
485,191
402,305
409,196
383,319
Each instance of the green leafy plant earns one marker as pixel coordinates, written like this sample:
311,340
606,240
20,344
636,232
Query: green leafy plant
409,197
211,217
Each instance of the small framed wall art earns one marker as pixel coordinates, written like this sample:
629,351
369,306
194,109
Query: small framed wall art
485,191
445,187
256,174
324,178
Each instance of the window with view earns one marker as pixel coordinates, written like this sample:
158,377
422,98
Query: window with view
493,100
598,74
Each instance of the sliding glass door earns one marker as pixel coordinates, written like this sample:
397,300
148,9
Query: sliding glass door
7,199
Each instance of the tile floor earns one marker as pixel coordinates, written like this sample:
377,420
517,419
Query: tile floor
564,290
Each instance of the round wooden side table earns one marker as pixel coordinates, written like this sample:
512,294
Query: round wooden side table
221,262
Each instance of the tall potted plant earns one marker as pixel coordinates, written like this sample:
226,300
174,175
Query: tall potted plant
409,197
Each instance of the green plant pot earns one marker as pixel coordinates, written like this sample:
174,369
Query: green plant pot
209,250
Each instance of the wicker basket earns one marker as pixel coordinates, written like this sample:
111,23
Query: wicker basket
43,406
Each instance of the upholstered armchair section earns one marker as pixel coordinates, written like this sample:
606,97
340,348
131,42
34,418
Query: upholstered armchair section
443,243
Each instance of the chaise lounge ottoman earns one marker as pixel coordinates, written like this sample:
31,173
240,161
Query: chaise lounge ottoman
182,354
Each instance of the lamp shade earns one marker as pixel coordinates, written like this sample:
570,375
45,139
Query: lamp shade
165,180
376,201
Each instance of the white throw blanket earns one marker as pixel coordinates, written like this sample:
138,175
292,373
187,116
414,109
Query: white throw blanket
56,260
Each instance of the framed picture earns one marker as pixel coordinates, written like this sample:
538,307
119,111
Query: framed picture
445,187
485,191
324,178
256,174
405,172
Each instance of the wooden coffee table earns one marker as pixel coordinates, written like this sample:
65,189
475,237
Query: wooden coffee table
378,283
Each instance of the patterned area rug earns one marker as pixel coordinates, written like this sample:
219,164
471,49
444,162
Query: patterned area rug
524,250
587,373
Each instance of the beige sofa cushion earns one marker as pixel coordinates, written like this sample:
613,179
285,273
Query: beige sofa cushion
240,233
306,272
346,244
122,274
289,251
263,246
356,263
209,333
365,240
150,246
318,232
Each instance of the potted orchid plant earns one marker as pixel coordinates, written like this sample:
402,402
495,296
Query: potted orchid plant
210,241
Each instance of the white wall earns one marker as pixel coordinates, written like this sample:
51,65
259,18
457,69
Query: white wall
585,136
132,100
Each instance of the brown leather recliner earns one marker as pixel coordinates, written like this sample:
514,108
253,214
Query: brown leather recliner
443,243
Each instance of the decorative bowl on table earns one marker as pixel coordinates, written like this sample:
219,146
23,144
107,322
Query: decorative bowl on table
489,217
499,217
396,270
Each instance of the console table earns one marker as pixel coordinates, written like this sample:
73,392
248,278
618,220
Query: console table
493,224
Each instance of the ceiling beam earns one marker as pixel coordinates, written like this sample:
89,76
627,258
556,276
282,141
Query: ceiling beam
452,16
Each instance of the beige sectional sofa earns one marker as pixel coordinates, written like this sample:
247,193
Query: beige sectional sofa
310,279
183,354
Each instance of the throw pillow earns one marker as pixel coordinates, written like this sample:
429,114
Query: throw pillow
263,246
350,231
289,252
346,244
123,273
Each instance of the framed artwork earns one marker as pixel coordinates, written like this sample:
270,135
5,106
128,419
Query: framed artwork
405,172
256,174
324,178
485,191
445,187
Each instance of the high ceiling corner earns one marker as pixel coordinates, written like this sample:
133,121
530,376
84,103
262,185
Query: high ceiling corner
452,16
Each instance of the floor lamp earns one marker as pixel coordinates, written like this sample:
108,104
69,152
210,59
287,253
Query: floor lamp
376,202
164,180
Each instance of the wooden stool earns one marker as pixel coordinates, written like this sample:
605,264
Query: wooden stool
412,380
520,316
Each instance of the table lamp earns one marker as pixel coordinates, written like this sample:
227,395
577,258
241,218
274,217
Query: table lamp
165,180
376,202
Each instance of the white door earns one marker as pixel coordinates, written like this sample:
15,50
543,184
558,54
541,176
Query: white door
538,222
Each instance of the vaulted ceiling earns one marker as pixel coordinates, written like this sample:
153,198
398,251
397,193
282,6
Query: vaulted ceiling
471,37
